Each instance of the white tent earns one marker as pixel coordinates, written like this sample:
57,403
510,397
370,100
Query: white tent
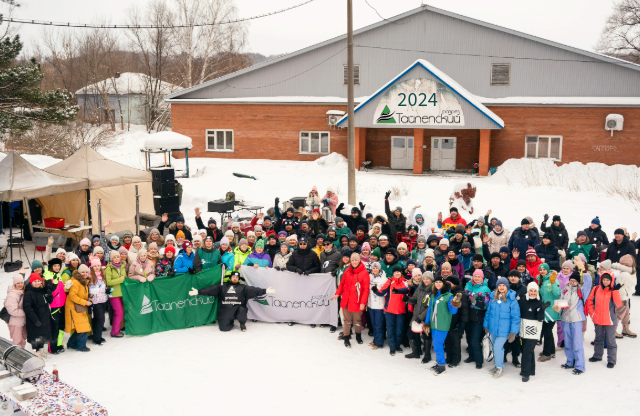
20,179
109,181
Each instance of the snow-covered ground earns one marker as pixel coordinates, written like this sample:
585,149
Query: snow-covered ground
277,369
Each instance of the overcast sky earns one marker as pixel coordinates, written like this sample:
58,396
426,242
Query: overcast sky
573,22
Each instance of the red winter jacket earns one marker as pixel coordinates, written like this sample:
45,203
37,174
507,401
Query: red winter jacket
354,288
410,242
393,303
532,268
451,223
602,304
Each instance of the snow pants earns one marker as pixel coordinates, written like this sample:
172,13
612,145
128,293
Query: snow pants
99,311
453,344
57,315
226,316
118,313
438,345
18,334
549,348
377,323
476,333
573,348
498,350
608,332
351,318
513,347
395,325
560,334
528,363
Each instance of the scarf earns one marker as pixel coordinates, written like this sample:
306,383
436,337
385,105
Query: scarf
498,233
365,259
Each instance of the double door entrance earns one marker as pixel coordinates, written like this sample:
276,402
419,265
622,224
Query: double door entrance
443,153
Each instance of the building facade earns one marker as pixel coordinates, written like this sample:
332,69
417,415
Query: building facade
434,90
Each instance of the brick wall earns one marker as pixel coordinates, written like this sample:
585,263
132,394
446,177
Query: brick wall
272,132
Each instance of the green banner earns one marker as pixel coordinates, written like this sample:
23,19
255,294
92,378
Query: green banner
165,304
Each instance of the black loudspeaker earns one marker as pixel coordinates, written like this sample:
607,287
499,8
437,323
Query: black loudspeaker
166,204
220,205
163,189
162,175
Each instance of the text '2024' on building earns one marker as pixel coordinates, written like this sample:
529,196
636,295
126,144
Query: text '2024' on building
434,90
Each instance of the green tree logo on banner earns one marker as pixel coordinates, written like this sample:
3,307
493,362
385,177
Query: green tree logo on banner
386,116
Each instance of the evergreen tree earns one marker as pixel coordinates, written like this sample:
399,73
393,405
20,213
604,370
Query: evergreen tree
21,100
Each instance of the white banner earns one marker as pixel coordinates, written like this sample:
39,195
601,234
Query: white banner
298,298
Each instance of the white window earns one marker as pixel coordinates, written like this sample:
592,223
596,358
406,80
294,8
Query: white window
314,142
539,147
219,140
356,74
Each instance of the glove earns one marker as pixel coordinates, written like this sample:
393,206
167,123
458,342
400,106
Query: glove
306,273
546,217
38,324
405,298
617,286
546,305
191,271
374,289
171,273
340,206
50,241
271,290
277,268
48,297
562,253
473,300
193,291
386,195
277,201
107,290
486,330
511,337
394,291
325,200
67,286
553,277
456,301
299,270
334,273
361,206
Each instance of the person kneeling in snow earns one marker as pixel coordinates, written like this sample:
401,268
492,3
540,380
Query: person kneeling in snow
233,300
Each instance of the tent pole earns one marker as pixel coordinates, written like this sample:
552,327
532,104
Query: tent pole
137,211
165,159
11,231
89,209
186,156
100,217
26,205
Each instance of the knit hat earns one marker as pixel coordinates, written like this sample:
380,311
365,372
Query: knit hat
444,241
369,215
83,268
521,263
557,218
452,209
546,267
446,265
466,245
416,272
607,264
270,237
502,281
155,246
595,221
53,262
95,262
413,227
480,219
453,280
61,250
235,224
428,275
478,257
17,278
583,258
376,264
495,254
202,231
524,222
180,219
115,237
243,241
228,233
478,272
421,239
365,246
411,261
626,260
186,244
98,249
429,253
138,239
113,253
460,229
397,269
568,264
284,233
504,249
548,236
259,243
34,277
170,249
514,273
402,245
498,222
123,250
125,235
180,234
212,221
581,234
347,253
376,252
35,264
419,216
619,231
321,236
257,228
338,219
195,238
576,276
332,228
531,252
85,242
266,218
534,286
224,240
170,237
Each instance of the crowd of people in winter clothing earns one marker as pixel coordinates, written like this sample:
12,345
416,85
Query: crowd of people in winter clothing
416,285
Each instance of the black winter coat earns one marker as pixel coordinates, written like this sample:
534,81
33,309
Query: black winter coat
399,224
499,272
463,311
597,237
38,313
352,222
519,288
560,235
233,299
456,246
550,255
522,240
420,300
330,261
318,226
615,251
532,309
305,260
215,234
173,230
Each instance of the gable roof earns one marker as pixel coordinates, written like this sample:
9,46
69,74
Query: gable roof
593,55
442,77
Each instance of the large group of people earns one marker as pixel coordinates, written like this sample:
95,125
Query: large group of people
412,284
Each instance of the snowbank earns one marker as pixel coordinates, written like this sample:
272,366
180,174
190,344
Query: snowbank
333,160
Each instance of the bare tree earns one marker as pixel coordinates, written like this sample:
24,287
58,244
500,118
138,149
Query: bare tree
199,47
621,34
154,50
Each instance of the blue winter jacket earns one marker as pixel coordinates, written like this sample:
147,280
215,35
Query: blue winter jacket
522,240
467,261
504,317
183,262
550,255
262,260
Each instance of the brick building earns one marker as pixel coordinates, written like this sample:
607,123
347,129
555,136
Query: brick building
434,90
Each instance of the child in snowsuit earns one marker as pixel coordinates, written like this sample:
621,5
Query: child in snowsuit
233,300
502,321
601,307
442,306
531,316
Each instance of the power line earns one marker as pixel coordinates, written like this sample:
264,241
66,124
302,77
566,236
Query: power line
124,26
381,17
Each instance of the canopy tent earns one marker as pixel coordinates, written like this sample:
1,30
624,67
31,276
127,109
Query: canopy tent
167,142
109,181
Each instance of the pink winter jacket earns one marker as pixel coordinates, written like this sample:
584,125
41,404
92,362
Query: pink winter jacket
134,271
333,201
13,303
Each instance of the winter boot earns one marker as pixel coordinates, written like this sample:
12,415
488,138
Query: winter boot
610,365
440,370
415,350
516,361
359,338
332,329
243,328
594,359
346,342
627,332
427,352
618,335
497,373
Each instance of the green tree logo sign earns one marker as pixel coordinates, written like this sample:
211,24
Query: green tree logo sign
386,116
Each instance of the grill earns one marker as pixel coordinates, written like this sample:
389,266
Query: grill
22,363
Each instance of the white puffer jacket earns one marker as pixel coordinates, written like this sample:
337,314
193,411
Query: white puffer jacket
375,301
423,229
627,279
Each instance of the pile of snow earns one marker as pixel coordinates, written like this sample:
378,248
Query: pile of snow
167,140
333,160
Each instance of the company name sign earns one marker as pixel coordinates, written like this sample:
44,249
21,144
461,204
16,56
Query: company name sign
419,102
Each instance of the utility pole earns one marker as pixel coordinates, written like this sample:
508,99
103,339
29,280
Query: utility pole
351,139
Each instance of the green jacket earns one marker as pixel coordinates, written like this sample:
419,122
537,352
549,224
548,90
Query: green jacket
549,292
205,259
114,277
439,313
239,257
575,249
339,233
